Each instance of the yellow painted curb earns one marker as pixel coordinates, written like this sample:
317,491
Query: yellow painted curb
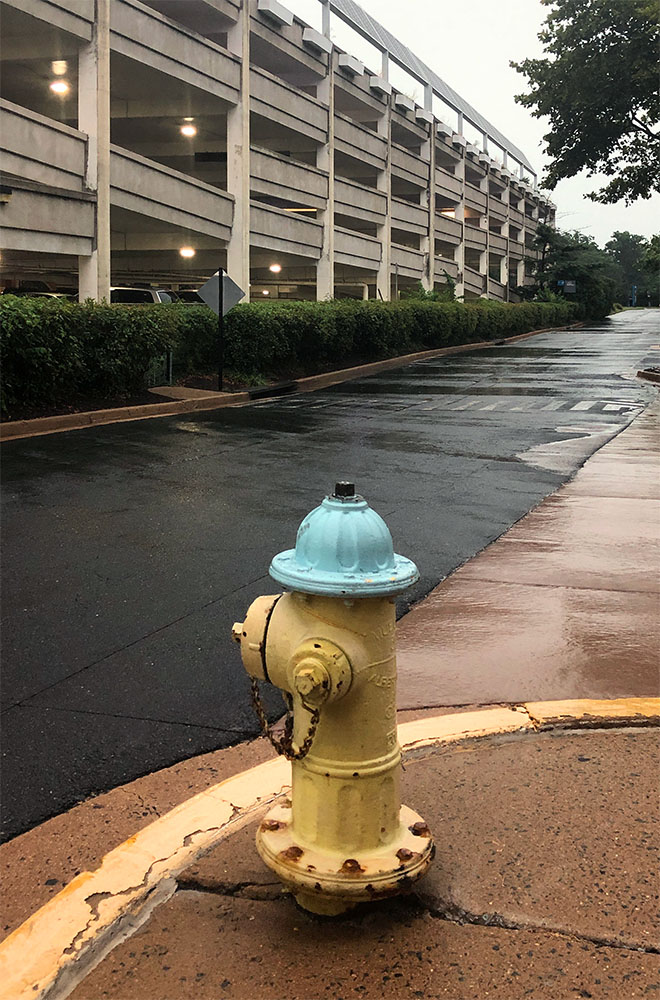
49,954
554,713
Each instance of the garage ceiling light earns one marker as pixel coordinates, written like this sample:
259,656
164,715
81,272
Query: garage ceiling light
60,87
187,251
275,268
188,130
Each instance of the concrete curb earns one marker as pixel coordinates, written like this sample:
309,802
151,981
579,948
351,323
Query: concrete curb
649,376
12,430
95,418
49,954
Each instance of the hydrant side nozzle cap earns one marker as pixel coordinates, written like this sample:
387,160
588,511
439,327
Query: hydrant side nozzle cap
344,549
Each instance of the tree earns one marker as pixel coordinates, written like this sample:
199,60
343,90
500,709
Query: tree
446,293
575,257
598,86
650,264
627,251
651,258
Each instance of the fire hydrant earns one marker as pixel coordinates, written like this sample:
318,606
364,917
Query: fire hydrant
329,645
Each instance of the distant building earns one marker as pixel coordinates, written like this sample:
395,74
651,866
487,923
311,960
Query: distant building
151,142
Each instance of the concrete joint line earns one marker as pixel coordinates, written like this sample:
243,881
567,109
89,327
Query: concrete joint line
48,955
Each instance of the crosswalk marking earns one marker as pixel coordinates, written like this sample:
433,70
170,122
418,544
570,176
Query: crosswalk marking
457,403
585,404
463,406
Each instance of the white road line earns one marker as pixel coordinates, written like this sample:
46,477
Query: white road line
586,404
555,405
464,406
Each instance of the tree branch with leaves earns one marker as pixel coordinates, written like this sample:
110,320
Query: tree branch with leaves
598,86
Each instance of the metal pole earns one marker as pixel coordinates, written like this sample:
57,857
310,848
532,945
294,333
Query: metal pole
221,326
396,282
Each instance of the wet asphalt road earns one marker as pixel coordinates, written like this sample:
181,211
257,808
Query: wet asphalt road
129,550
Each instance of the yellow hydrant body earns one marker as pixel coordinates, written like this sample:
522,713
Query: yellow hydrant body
343,837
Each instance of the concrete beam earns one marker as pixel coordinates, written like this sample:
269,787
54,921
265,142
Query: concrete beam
275,11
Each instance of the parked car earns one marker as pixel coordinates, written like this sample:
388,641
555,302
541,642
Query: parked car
28,293
190,296
138,296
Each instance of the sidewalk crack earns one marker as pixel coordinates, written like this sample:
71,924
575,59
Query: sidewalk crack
261,891
453,913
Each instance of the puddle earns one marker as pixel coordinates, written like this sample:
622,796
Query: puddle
567,455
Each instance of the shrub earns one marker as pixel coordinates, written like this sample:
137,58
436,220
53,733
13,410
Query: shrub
54,353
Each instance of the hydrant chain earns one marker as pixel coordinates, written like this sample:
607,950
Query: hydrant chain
284,746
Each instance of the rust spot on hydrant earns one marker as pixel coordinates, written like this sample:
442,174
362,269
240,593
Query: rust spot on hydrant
270,825
350,865
292,853
403,854
420,830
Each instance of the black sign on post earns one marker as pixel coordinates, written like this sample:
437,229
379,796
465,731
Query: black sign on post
221,294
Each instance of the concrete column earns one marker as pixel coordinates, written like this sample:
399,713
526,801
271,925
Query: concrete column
460,217
325,269
428,241
384,184
325,15
238,157
504,276
487,223
94,120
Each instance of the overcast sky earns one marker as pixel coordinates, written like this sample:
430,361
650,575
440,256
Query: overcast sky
469,44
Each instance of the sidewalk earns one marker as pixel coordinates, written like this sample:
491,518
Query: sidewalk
545,814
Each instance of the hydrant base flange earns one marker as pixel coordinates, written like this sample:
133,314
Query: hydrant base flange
331,883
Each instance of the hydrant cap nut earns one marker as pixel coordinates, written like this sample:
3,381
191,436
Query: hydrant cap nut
344,549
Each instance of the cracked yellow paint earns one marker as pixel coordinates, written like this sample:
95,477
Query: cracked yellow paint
543,712
466,725
61,942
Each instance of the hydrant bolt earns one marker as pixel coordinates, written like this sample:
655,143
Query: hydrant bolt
312,682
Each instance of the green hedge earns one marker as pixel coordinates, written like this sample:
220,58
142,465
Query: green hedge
54,353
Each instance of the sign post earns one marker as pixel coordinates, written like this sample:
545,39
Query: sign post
221,326
221,294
